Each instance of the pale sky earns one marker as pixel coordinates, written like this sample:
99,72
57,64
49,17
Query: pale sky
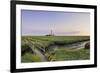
40,23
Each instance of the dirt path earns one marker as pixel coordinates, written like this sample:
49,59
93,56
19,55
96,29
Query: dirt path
38,52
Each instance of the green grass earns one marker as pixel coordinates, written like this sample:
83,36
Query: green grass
29,57
54,38
45,40
63,54
82,54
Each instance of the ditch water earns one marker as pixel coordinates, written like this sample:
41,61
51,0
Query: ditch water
77,45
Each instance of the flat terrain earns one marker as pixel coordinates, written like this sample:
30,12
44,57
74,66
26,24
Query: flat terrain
54,48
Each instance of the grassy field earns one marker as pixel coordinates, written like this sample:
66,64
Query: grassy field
81,54
42,42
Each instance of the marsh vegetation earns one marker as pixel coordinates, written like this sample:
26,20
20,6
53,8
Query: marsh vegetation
54,48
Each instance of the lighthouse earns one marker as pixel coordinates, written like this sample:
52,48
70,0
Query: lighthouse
51,33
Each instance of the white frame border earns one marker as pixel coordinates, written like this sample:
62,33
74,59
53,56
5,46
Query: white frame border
20,65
